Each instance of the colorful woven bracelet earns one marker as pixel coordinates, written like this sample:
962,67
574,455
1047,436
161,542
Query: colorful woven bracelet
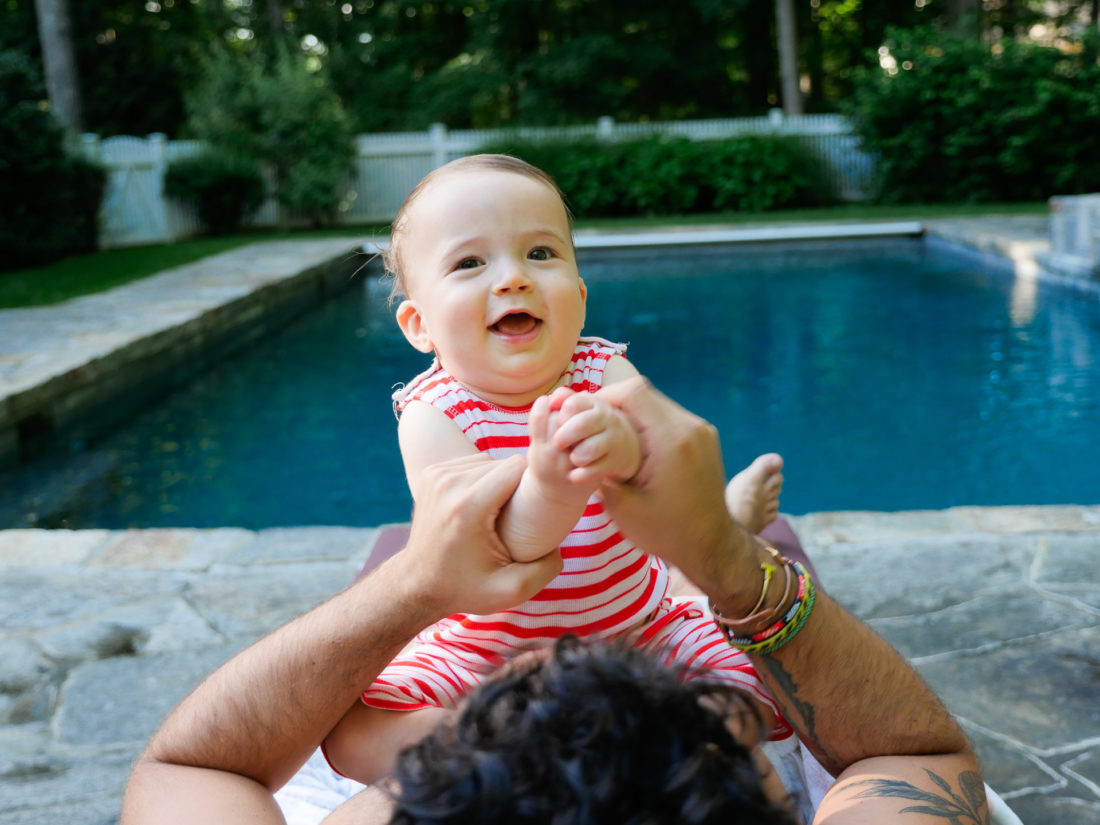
758,618
788,615
790,629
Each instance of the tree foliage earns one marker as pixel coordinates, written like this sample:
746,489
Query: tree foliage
283,115
49,198
135,57
952,118
401,64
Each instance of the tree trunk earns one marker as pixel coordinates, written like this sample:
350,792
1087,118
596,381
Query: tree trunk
788,57
276,19
59,61
1009,18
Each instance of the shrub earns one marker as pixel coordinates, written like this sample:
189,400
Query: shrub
954,119
670,176
49,198
224,188
756,173
285,116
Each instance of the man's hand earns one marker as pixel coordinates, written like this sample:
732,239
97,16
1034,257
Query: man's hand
455,559
674,506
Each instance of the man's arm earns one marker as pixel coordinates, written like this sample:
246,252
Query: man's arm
246,729
862,710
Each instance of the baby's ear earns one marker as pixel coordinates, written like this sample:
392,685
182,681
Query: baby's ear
413,326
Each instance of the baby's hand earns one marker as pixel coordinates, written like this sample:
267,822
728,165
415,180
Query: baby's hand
550,465
597,437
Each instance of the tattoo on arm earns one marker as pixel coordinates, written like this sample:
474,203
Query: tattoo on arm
966,808
786,691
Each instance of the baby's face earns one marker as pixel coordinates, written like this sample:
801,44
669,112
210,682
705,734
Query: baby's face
492,283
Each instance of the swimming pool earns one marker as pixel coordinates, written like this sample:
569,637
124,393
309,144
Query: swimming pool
892,375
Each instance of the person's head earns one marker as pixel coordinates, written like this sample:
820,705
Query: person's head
482,250
592,734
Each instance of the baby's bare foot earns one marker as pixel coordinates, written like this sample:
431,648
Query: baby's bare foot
753,494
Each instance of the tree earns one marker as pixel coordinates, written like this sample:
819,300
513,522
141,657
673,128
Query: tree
954,118
788,57
283,114
402,64
59,61
49,198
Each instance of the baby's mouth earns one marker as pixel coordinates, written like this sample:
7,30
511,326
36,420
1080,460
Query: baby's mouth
516,323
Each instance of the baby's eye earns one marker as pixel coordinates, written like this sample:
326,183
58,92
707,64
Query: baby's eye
540,253
468,263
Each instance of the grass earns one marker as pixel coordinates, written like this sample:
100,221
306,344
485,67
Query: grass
87,274
99,271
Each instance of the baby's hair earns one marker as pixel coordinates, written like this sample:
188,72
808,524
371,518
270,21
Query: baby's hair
391,255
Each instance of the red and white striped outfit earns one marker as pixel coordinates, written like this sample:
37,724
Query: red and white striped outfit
607,588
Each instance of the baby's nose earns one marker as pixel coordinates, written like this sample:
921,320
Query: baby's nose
513,277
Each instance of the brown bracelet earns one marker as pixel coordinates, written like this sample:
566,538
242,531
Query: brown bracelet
758,619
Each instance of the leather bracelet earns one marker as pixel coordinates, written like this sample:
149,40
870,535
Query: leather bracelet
773,638
758,619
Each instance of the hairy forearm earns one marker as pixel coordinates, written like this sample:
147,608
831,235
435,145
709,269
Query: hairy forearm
851,697
538,518
262,713
849,694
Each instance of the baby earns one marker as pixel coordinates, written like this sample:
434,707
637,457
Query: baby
482,250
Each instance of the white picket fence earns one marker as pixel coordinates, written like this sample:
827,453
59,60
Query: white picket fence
136,211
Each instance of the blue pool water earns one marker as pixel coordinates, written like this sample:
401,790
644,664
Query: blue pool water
890,375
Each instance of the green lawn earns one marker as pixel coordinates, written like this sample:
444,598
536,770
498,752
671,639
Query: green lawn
96,272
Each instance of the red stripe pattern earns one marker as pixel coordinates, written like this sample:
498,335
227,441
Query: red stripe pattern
607,588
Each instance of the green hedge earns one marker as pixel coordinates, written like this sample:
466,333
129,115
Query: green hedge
951,118
49,198
224,188
676,176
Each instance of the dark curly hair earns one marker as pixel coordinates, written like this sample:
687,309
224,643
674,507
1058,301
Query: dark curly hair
592,734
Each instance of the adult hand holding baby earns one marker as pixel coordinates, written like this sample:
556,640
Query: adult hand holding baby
454,551
674,506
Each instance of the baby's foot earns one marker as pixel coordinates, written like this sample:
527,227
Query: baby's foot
753,494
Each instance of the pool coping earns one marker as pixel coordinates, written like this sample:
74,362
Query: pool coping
773,233
66,368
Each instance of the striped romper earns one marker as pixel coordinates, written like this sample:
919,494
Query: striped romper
607,589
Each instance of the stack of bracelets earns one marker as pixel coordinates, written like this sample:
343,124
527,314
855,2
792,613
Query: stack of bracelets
765,631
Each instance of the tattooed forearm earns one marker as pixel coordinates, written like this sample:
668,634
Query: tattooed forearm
797,712
966,807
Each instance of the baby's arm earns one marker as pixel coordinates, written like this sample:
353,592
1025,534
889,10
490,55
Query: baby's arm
562,470
547,504
567,462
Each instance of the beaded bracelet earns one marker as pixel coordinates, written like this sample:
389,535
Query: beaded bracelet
771,640
757,617
777,633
